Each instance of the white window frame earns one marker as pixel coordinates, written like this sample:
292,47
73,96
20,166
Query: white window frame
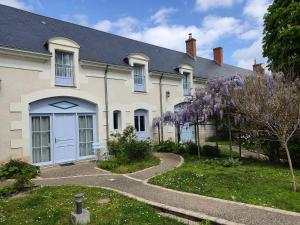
186,84
118,113
139,78
64,73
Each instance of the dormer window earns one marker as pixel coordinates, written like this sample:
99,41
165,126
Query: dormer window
139,77
64,68
186,84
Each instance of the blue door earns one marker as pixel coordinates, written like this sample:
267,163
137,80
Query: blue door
187,133
64,138
140,124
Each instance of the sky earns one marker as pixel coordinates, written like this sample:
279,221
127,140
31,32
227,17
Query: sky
235,25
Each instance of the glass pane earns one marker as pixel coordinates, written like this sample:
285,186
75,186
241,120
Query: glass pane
136,123
35,123
142,123
116,120
82,149
89,135
45,123
36,139
82,122
58,58
36,155
82,135
45,138
45,156
89,149
89,121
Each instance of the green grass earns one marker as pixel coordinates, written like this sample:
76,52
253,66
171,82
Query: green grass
53,205
254,182
117,166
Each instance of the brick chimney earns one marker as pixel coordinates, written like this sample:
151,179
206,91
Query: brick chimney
257,68
218,55
191,47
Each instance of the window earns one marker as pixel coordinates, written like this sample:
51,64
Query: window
139,77
117,119
86,132
40,126
139,123
186,84
64,69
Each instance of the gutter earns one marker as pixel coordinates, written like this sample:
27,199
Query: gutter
106,105
161,105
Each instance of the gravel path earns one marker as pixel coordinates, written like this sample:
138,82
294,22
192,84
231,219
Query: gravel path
135,186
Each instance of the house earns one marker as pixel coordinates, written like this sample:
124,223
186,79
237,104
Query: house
65,87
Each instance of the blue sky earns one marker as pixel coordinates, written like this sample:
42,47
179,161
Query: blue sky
236,25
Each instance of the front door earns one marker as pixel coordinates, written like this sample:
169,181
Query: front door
64,137
140,123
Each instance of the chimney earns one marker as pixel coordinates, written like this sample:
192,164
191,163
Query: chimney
218,55
257,68
191,47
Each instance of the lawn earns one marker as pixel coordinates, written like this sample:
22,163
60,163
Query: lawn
53,205
117,166
255,182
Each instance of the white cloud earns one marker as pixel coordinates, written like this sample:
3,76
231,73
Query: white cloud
121,26
204,5
252,34
104,25
161,15
246,56
15,3
81,19
256,9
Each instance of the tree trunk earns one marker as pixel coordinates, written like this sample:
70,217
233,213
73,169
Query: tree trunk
216,124
229,132
240,142
294,185
158,129
198,137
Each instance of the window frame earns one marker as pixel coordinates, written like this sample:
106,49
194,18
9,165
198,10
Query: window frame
86,142
139,87
64,79
186,84
118,119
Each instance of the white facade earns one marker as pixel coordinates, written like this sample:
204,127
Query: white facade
30,93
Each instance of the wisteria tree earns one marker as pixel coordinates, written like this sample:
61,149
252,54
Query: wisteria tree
272,106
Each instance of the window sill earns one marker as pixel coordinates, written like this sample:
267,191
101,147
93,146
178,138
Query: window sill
140,92
64,85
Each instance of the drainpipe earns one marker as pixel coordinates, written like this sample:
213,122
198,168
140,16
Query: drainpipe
106,104
161,105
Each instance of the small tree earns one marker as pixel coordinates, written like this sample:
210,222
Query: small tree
272,106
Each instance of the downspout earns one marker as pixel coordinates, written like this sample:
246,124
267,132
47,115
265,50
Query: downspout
106,105
161,106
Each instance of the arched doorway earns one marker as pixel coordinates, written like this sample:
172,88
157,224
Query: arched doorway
141,124
63,129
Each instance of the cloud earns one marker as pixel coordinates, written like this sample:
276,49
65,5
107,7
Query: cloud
81,19
122,26
246,56
15,3
161,15
204,5
256,9
252,34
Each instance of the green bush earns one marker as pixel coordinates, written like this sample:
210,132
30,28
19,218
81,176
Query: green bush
211,151
21,171
166,146
110,164
231,162
125,147
7,191
191,148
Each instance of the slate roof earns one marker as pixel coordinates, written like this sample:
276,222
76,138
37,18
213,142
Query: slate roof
28,31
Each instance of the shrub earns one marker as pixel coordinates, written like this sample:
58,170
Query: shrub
210,151
21,171
126,148
191,148
166,146
231,162
109,165
7,191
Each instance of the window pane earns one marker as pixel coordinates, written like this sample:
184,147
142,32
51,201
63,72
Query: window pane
35,123
82,122
142,123
116,121
89,149
89,135
136,123
82,149
45,123
89,121
82,136
36,155
45,156
36,139
58,58
45,138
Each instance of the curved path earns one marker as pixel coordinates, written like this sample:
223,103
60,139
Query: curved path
135,185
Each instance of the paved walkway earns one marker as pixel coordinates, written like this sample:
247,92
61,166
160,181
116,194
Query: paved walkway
134,185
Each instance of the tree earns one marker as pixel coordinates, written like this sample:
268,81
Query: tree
281,41
271,105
